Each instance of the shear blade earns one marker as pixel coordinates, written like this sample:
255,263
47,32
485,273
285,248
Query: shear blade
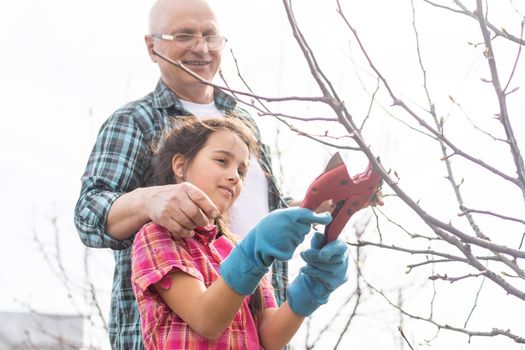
334,161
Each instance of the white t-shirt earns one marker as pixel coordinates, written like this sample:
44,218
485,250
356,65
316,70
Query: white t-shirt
202,111
252,204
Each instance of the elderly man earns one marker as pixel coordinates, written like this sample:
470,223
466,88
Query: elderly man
117,195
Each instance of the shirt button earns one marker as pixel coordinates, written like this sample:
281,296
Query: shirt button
155,250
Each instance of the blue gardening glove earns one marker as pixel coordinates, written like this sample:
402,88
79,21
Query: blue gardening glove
326,269
276,236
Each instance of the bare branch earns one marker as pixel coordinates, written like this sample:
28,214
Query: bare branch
399,102
465,210
411,235
503,113
515,63
492,333
92,292
455,279
204,81
400,329
475,302
467,12
372,101
473,124
450,257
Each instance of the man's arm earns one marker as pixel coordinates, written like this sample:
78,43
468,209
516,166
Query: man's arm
116,166
114,202
179,208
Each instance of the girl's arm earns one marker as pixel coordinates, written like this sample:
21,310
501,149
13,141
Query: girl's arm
208,311
326,269
278,326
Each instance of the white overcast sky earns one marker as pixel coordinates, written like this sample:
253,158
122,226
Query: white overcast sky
65,66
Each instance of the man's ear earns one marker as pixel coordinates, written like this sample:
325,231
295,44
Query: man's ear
178,165
148,39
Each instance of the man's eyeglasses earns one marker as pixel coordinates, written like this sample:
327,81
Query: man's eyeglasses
184,40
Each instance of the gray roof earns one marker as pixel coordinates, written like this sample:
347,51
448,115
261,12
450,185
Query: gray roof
40,331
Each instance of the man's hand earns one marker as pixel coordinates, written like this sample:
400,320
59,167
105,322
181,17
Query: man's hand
180,208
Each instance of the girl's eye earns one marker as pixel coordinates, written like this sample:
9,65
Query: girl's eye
242,173
221,160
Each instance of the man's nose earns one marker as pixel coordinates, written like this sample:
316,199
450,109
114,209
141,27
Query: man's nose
200,45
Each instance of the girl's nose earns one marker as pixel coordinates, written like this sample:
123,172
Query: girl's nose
234,176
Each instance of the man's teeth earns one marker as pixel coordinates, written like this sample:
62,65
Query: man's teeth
195,63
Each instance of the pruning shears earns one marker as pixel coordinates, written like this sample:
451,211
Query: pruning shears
348,194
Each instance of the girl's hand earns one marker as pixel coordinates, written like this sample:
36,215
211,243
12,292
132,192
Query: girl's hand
326,269
275,237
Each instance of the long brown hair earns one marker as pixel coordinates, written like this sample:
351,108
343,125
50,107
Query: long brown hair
187,139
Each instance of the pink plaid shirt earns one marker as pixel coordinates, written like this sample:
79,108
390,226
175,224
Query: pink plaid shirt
154,254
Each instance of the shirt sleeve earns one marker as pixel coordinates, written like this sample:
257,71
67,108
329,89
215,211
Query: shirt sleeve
116,166
155,253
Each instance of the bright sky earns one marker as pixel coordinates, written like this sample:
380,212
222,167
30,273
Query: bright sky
67,65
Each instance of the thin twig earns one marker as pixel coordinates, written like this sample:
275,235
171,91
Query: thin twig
400,329
515,62
464,11
503,112
492,333
244,93
465,210
476,299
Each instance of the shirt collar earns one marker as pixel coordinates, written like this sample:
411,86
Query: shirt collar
164,98
207,233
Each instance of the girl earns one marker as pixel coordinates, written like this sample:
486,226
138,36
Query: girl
205,292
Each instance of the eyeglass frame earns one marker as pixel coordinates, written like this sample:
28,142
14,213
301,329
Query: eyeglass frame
173,37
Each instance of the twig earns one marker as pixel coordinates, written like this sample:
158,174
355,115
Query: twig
467,12
492,333
475,302
398,102
515,63
204,81
455,279
465,210
264,110
503,113
400,329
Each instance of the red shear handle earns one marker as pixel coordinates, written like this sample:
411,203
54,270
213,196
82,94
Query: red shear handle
361,190
327,186
340,216
348,195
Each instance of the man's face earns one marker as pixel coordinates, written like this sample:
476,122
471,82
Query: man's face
184,17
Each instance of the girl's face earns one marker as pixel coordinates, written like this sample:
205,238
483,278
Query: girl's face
218,169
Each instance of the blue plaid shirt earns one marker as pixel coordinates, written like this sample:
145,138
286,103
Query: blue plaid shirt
121,162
